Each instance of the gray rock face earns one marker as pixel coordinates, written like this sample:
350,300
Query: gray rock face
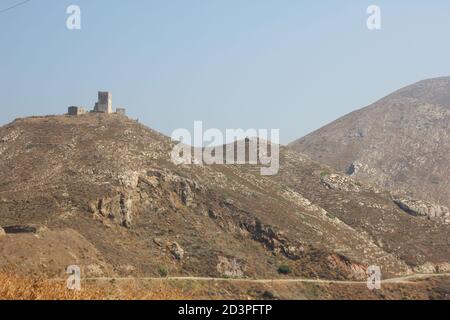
230,267
126,211
400,143
176,250
117,208
423,209
339,182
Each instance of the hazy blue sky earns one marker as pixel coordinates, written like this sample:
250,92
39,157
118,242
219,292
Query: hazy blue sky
293,65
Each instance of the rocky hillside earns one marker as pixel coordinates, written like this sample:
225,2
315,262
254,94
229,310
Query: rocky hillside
400,143
100,192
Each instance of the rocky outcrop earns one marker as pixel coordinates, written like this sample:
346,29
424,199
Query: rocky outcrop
433,268
176,250
116,209
154,189
126,211
281,243
161,182
353,270
186,193
353,168
9,138
272,239
420,208
246,224
230,267
339,182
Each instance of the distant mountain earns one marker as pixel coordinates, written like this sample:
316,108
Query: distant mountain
100,191
400,143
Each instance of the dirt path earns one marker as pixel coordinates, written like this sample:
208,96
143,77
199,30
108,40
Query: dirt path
404,279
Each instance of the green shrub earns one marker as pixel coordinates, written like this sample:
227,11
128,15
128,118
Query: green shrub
268,295
284,269
324,174
163,272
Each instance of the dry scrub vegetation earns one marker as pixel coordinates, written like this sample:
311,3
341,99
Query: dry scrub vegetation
13,287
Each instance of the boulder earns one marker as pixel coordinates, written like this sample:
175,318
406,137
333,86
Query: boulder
420,208
176,250
230,267
339,182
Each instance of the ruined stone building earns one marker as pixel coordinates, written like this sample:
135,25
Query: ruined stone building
75,111
104,103
121,111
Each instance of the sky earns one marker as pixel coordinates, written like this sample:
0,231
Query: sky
291,65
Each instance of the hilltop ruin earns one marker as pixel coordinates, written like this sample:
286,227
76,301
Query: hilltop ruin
103,105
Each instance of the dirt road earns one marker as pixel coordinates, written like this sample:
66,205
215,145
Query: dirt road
404,279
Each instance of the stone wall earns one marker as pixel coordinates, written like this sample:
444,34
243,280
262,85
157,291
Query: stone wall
75,111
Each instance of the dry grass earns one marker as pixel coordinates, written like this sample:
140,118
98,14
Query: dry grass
158,291
13,287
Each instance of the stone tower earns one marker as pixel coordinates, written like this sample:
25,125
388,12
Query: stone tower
104,103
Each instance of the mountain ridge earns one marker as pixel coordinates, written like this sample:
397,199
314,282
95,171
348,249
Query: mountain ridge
399,143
